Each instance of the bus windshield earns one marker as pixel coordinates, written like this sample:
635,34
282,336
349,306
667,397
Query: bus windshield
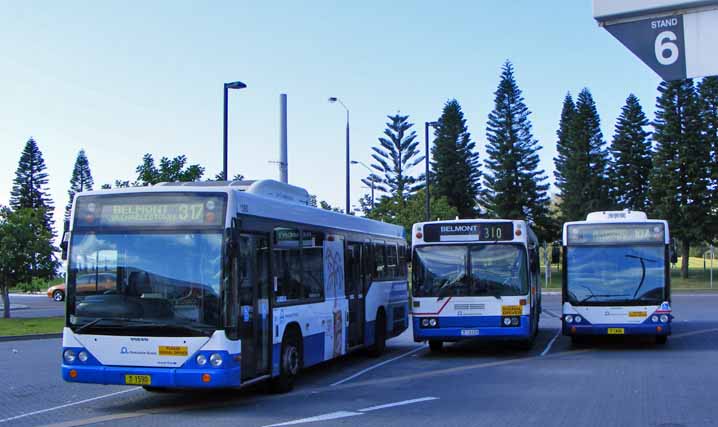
614,274
469,270
158,283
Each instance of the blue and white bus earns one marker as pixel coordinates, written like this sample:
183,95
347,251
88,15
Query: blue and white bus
475,279
206,285
616,276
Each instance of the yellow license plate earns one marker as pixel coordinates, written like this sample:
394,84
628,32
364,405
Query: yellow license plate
511,310
138,379
616,331
637,314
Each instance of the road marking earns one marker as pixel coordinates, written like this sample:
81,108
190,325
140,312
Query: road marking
550,343
345,414
371,368
391,405
688,334
324,417
67,405
551,313
100,419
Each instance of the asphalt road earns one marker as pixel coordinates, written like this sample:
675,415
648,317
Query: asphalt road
35,306
610,383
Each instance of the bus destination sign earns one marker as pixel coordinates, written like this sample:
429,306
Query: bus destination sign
469,231
150,210
588,234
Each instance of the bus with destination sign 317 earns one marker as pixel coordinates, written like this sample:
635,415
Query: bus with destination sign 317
475,279
616,276
207,285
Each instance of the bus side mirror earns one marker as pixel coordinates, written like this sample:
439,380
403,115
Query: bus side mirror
65,240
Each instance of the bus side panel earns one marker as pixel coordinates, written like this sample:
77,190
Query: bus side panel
393,297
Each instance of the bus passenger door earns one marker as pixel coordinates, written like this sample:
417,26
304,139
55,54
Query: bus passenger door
253,288
353,289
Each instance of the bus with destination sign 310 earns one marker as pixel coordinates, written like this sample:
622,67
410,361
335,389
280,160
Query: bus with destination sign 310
201,285
475,279
616,276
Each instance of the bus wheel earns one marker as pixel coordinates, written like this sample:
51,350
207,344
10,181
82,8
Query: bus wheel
661,339
290,361
377,349
435,345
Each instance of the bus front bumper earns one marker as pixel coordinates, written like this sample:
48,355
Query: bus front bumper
158,377
617,329
467,330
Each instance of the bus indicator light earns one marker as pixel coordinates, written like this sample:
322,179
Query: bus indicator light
518,232
419,235
522,301
659,328
206,378
73,373
209,218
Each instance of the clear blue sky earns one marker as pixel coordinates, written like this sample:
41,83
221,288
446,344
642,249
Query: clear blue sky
121,80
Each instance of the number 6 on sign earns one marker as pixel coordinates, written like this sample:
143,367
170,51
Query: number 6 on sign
664,42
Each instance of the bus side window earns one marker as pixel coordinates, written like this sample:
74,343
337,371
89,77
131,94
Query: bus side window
391,261
367,259
287,265
403,262
313,263
379,261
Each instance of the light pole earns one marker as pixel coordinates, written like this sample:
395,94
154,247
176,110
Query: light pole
427,205
227,87
334,99
371,178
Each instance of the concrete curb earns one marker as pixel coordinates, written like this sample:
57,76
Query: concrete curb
29,337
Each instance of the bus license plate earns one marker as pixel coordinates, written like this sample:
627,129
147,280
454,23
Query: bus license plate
469,332
616,331
138,379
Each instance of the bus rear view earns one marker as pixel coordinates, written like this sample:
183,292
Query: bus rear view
616,276
475,279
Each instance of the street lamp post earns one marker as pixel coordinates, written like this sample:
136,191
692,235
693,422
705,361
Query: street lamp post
334,99
427,204
371,178
227,87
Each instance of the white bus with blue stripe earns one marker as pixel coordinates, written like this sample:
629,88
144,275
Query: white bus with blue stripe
475,279
224,285
616,276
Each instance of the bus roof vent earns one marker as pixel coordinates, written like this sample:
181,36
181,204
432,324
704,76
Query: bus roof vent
277,190
624,215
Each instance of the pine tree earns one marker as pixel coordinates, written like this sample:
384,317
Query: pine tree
169,170
566,166
708,90
81,180
630,161
29,190
396,154
514,186
455,164
680,177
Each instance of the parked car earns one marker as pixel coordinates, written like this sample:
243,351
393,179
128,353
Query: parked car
86,283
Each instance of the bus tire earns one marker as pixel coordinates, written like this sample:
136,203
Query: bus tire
153,389
290,362
379,346
661,339
578,341
435,345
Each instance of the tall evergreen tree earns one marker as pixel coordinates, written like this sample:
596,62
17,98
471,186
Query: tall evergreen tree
169,170
81,180
582,161
29,189
455,163
396,154
680,178
514,186
708,91
566,166
630,161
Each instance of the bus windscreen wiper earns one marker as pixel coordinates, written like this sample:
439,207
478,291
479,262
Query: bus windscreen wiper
176,326
643,270
96,321
601,295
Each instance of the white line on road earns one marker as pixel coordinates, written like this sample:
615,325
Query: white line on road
550,343
402,403
42,411
345,414
371,368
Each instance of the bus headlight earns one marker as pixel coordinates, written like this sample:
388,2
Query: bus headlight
216,360
568,319
201,359
507,321
664,318
82,356
425,322
432,323
654,319
69,356
515,321
577,319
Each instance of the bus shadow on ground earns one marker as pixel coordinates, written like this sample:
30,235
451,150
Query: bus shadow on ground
492,348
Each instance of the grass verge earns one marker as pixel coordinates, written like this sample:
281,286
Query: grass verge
44,325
